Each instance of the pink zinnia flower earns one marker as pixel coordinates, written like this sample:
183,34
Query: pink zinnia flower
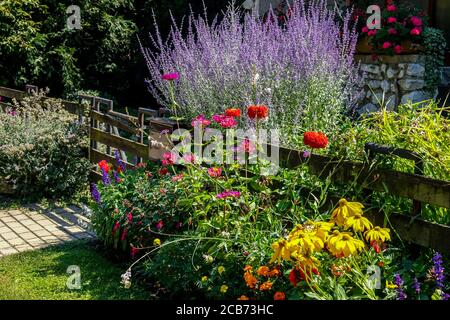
189,158
168,159
159,225
215,172
365,29
416,21
391,19
392,31
391,8
415,32
200,121
387,45
372,32
398,49
171,76
246,146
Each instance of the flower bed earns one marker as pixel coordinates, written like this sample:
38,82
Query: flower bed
217,232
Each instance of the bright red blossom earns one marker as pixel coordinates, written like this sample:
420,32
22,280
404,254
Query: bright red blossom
233,112
104,166
258,112
315,140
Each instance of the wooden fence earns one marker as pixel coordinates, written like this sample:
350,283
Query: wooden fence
138,138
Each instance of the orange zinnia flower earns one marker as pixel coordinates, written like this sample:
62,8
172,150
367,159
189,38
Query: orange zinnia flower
263,271
248,268
266,286
274,273
250,280
233,112
315,140
279,296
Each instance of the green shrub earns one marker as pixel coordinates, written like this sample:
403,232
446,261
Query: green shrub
42,148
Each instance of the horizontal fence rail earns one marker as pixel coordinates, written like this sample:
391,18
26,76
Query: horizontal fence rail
139,138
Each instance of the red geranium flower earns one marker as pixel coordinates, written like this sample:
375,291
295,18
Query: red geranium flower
258,112
233,112
315,140
163,171
104,166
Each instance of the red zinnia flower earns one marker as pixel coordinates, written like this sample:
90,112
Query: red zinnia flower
387,45
315,140
375,246
163,171
415,32
398,49
233,112
104,166
159,225
365,29
116,226
391,19
391,8
279,296
258,112
215,172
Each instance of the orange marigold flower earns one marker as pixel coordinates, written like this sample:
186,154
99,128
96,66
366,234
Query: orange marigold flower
248,268
263,271
250,280
258,112
274,273
233,112
243,297
266,286
279,296
315,140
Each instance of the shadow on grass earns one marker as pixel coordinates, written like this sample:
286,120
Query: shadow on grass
42,274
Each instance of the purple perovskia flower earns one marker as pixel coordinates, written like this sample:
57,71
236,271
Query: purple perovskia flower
438,270
119,160
95,194
416,286
401,295
105,178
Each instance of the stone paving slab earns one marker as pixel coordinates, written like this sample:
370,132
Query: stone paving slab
34,227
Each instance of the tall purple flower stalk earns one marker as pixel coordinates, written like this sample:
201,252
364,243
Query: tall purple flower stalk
416,286
95,194
302,70
401,295
438,271
105,178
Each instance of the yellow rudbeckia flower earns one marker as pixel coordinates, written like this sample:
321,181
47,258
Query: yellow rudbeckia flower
224,288
390,285
221,269
344,210
378,234
358,223
345,245
282,250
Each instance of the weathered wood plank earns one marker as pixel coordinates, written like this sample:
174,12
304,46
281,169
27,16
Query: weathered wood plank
126,117
12,93
136,148
96,156
72,107
417,231
407,185
111,120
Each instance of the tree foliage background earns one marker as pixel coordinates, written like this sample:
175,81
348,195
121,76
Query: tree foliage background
37,48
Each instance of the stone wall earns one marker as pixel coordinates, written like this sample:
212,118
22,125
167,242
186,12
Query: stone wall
392,79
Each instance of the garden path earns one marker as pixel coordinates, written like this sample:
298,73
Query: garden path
32,226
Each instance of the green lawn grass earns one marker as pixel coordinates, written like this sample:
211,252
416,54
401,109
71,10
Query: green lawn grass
42,274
